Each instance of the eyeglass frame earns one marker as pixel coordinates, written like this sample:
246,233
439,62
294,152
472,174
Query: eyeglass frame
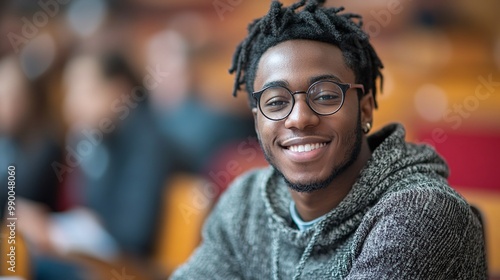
344,87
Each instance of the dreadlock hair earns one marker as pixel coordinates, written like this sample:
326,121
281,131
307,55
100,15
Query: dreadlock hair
313,22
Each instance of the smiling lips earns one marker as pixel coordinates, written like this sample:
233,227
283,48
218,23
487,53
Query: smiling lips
305,149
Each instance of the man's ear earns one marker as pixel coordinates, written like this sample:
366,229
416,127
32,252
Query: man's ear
366,105
254,113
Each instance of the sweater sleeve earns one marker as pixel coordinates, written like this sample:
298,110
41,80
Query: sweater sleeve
216,257
420,234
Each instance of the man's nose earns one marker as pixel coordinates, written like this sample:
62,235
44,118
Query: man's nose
302,116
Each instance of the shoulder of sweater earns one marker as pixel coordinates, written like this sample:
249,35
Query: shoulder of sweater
242,193
438,204
247,183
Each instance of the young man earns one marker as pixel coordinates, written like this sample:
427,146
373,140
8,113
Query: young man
335,203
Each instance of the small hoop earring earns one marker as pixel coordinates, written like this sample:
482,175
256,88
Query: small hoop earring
367,128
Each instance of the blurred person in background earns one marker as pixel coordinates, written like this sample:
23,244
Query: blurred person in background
115,169
202,131
27,140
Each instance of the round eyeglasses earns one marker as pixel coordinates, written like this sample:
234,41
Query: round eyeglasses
323,97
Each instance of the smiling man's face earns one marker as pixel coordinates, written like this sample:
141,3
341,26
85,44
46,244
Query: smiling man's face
309,150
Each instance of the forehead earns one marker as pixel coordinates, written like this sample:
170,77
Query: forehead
296,62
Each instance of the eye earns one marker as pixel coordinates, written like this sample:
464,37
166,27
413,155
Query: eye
327,98
274,99
276,104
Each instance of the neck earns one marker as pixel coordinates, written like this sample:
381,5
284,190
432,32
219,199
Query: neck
317,203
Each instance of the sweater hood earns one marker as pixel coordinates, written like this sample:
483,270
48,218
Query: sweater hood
393,161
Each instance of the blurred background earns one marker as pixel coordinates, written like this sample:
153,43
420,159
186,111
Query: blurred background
119,118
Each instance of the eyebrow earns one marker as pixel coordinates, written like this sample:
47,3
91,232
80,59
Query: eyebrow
312,80
324,77
279,83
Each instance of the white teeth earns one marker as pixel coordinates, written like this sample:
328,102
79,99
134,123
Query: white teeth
306,147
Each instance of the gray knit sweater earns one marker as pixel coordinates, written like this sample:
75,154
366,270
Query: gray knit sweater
401,220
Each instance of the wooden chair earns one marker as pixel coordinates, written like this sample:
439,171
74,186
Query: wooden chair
187,201
22,267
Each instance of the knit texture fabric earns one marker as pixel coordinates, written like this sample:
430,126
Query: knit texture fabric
401,220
